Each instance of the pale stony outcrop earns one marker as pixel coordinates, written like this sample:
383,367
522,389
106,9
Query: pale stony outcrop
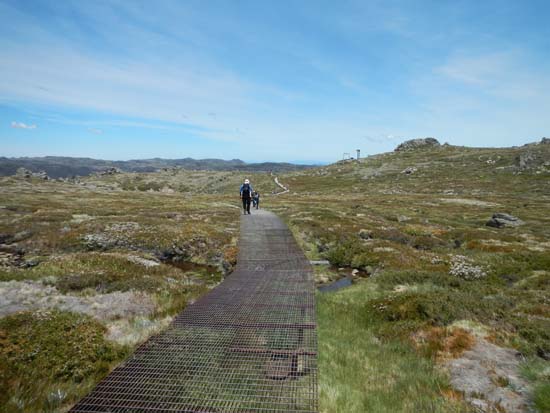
489,377
417,144
409,170
527,160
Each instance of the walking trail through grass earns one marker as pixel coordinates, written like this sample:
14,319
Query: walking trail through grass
247,345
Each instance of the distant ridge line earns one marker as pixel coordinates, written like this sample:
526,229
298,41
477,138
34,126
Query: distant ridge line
65,166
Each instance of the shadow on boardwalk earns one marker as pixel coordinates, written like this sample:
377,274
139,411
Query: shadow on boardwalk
249,345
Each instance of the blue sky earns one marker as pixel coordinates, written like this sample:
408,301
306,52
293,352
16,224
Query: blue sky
269,80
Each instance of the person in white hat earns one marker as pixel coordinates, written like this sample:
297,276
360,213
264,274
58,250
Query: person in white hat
246,195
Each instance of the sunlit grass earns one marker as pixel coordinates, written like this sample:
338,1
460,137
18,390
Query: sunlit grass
358,372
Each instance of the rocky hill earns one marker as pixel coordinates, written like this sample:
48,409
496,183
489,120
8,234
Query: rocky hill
448,252
424,165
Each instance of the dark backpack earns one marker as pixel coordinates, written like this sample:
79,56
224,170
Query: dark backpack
246,191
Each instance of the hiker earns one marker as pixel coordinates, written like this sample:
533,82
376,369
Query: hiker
256,200
246,195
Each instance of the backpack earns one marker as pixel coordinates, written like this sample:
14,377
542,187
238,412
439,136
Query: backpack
246,191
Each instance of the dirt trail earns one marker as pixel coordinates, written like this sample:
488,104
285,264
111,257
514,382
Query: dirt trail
248,345
280,185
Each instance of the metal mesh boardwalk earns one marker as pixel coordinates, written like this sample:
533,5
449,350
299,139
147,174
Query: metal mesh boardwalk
249,345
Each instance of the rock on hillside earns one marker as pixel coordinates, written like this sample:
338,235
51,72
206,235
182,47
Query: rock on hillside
500,220
417,143
25,173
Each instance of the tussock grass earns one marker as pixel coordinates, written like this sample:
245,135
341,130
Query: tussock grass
359,372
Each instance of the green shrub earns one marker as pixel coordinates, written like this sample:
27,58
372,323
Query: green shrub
146,186
350,253
43,350
342,254
363,260
520,263
439,308
535,332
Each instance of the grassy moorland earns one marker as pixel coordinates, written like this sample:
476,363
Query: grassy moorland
438,290
91,268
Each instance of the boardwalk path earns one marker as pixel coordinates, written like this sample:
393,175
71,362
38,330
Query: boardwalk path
249,345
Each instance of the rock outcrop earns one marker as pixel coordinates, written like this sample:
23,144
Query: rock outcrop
500,220
489,378
365,234
417,144
25,173
409,171
527,160
110,171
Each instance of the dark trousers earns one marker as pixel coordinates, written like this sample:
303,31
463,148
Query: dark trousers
246,204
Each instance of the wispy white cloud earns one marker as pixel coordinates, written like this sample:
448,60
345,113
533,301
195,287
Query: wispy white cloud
507,74
136,85
128,88
474,70
159,74
21,125
95,131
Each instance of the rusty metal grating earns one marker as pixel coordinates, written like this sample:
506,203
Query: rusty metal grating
249,345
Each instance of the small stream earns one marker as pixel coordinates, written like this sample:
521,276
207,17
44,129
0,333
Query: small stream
336,285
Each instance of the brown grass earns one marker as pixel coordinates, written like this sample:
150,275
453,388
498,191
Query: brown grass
230,254
452,395
443,343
